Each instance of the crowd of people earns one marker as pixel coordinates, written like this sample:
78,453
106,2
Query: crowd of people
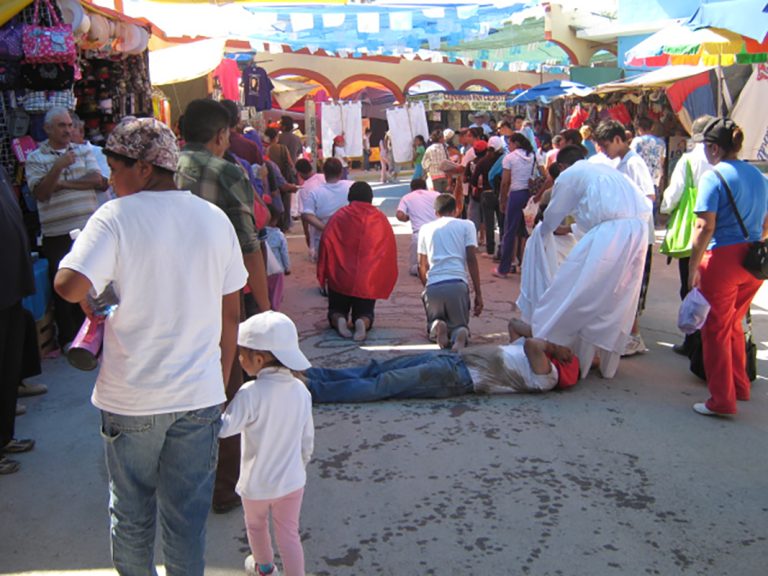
199,224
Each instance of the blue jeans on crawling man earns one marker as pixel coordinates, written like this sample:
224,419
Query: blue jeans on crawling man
428,375
166,464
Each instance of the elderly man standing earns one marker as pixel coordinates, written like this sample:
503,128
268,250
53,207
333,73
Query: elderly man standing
203,170
63,177
590,303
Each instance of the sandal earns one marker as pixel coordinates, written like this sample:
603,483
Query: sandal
19,446
8,466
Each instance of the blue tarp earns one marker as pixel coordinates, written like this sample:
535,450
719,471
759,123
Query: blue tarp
543,93
746,17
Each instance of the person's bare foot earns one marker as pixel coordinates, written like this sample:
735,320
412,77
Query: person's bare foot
440,333
342,328
360,330
462,335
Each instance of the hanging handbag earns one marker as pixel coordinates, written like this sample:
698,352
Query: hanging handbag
42,101
756,259
679,236
22,147
696,364
48,44
17,119
10,40
10,75
48,76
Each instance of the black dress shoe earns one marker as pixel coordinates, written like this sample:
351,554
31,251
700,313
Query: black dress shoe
681,349
224,507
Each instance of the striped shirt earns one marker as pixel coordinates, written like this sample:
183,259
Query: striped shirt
434,156
66,209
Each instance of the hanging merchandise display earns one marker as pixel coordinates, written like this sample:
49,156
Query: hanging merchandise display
339,118
257,88
43,44
405,123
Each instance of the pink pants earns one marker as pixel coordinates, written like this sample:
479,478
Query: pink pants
729,289
275,290
285,517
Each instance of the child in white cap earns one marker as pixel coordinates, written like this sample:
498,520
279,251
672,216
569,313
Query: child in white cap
273,413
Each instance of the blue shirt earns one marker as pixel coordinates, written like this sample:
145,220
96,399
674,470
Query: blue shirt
750,192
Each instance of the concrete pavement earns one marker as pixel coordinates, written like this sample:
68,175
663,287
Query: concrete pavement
610,477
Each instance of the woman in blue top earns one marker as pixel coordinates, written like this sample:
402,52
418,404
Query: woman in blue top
719,247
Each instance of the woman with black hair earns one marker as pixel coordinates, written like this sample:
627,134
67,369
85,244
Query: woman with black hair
518,167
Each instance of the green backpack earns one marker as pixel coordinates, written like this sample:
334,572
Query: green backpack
677,240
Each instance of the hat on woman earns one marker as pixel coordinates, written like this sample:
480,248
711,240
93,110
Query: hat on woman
145,139
273,332
717,131
338,139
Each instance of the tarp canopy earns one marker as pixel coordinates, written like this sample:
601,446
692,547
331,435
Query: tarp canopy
185,61
544,93
654,79
746,17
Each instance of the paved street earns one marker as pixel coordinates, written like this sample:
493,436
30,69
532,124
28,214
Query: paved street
610,477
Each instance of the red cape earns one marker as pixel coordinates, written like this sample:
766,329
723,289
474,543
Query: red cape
358,254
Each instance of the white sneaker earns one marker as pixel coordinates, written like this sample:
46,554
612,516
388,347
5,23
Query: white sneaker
635,345
701,408
252,570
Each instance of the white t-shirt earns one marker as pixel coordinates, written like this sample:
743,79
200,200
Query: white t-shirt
326,199
341,154
444,242
419,206
274,415
634,167
516,375
309,184
520,167
171,257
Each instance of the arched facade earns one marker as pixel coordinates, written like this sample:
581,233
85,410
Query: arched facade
388,84
518,87
479,82
311,74
430,77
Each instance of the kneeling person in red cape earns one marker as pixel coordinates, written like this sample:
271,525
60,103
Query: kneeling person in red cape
357,261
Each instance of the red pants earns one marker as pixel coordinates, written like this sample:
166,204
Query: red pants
729,289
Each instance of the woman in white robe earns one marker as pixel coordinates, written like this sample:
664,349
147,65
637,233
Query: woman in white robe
590,304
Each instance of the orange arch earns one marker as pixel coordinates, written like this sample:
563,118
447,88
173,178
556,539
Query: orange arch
388,84
520,86
431,77
311,74
490,85
571,54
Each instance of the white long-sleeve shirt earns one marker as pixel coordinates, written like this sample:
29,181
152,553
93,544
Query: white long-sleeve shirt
274,415
674,192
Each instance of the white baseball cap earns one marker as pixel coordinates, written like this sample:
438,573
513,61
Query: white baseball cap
276,333
448,133
495,142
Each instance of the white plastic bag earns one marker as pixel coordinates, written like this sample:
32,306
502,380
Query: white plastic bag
693,312
530,212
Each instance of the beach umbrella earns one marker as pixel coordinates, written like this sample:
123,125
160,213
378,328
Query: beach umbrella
543,93
681,44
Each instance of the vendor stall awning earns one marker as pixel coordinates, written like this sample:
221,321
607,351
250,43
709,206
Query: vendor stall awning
655,79
186,61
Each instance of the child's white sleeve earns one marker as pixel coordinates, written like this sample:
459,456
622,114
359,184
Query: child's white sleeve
236,416
308,440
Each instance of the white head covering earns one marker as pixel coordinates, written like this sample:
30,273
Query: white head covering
273,332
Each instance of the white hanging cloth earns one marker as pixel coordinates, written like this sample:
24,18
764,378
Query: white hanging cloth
342,118
405,123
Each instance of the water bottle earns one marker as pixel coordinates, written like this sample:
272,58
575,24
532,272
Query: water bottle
86,347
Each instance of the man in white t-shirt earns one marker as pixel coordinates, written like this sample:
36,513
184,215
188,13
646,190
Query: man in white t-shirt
447,249
418,208
308,181
168,346
323,201
612,139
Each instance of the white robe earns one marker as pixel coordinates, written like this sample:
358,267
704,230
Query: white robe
593,295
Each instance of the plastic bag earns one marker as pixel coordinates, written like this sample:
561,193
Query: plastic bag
693,312
530,212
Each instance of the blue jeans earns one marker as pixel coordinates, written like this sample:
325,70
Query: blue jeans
429,375
162,463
